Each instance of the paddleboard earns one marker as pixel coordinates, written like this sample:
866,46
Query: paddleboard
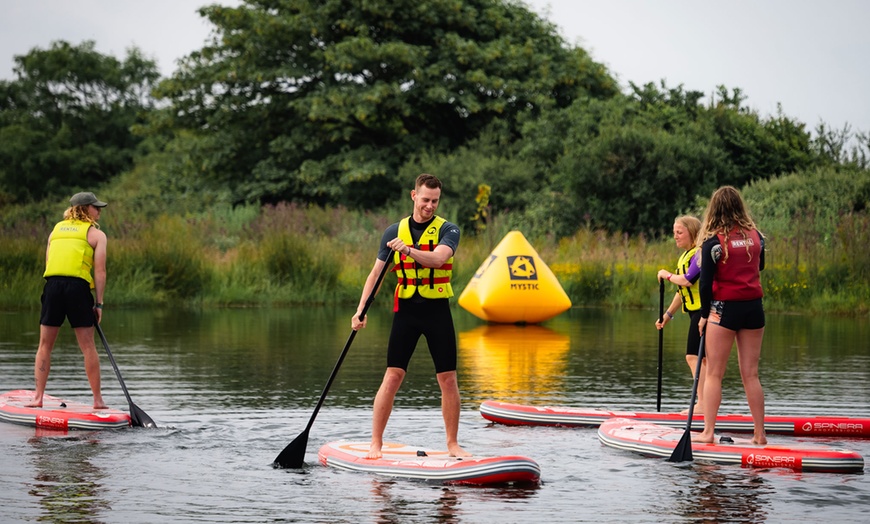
401,460
519,415
655,440
57,413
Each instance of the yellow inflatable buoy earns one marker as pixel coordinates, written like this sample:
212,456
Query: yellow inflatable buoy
513,285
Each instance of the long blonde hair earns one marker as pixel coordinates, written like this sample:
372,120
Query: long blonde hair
725,213
81,214
692,225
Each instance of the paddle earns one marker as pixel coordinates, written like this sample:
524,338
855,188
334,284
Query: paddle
661,339
683,451
293,456
137,416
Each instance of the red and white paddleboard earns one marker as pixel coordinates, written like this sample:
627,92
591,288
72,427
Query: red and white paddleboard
519,415
655,440
58,414
401,460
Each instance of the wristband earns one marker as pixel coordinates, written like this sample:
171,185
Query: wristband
98,305
668,313
669,276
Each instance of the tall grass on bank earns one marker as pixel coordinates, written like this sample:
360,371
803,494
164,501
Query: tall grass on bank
290,254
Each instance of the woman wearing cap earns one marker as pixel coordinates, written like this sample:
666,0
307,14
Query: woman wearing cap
75,264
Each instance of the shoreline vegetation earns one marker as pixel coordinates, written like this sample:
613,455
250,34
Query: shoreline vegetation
264,170
288,255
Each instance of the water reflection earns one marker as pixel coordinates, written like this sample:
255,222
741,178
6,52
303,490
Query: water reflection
506,360
67,483
720,494
398,501
395,505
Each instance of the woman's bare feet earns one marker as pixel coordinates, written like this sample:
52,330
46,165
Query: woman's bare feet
100,405
34,403
697,410
760,440
456,451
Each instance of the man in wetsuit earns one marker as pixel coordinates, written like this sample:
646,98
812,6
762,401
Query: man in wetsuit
421,249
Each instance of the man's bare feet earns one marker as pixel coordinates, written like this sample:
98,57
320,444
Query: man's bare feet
702,438
456,451
34,404
100,405
374,452
760,440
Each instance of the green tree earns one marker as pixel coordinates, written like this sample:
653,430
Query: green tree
632,163
323,101
65,121
758,148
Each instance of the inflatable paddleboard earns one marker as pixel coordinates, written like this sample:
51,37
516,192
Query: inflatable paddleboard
655,440
400,460
521,415
58,414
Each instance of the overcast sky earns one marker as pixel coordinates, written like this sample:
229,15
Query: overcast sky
809,55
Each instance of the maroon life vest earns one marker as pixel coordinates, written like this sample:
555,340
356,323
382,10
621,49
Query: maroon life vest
737,277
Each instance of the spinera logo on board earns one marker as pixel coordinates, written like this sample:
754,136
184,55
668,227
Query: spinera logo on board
757,459
832,427
50,422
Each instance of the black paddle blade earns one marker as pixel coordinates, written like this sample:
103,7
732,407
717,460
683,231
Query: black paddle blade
293,456
683,451
139,418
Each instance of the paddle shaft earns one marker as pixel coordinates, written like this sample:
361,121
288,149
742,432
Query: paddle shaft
137,416
293,455
369,300
661,342
683,451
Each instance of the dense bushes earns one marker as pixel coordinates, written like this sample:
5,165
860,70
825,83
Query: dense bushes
817,259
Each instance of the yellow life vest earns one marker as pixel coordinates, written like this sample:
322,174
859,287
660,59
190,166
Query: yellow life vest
690,295
69,253
429,282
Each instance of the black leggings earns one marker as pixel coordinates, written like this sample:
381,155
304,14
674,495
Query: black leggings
693,341
429,317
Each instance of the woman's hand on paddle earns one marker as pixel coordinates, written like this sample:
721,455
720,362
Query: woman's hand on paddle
356,324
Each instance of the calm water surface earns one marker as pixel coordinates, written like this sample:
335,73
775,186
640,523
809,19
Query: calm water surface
230,388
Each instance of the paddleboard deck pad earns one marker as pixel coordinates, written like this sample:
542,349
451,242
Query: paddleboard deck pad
57,413
655,440
401,460
519,415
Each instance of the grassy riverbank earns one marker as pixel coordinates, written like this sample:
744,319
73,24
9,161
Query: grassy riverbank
285,254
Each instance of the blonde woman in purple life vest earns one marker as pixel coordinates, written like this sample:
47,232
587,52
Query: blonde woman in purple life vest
687,298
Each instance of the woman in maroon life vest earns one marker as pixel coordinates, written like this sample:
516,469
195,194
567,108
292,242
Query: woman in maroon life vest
732,256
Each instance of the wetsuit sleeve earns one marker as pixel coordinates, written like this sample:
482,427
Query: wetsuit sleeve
449,236
693,272
390,233
761,258
708,272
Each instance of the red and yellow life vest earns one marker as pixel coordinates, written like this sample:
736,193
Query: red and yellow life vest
429,282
